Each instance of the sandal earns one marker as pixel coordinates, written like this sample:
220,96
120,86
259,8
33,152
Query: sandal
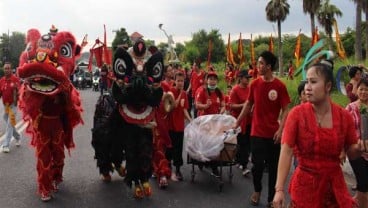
255,198
163,183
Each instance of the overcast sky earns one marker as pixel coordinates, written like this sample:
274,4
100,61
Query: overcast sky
180,18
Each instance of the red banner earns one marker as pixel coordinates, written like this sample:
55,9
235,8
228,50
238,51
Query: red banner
106,54
97,52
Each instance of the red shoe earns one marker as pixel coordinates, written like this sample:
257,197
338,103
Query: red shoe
163,183
138,193
45,197
121,171
106,177
147,189
55,186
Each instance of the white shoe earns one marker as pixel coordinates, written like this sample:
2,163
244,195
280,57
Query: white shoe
246,172
5,149
18,142
173,177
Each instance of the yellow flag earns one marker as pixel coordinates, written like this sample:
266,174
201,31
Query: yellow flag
229,53
297,50
340,47
240,51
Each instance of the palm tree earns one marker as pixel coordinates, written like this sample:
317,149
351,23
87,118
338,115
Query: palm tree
358,29
276,11
326,16
311,7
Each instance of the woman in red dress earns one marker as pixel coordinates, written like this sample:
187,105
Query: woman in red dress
316,132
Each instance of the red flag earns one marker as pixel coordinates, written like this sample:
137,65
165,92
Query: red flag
210,46
270,45
84,41
340,47
315,36
97,52
106,57
90,60
229,53
297,50
240,51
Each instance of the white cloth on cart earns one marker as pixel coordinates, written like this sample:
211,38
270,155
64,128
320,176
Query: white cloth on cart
205,136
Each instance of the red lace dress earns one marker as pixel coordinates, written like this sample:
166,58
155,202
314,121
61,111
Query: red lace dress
318,181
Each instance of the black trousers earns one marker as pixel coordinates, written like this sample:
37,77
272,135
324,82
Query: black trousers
243,147
264,151
175,153
360,168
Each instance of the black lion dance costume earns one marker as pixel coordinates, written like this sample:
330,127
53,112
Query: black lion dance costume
137,94
49,102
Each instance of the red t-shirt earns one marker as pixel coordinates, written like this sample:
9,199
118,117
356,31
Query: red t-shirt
196,80
268,99
177,115
7,87
239,95
167,85
203,95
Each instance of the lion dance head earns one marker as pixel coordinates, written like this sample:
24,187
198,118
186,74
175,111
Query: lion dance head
139,71
48,61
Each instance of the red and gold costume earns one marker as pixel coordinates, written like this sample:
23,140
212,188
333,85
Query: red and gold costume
49,102
318,180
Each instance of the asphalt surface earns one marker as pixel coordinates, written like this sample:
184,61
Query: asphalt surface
82,186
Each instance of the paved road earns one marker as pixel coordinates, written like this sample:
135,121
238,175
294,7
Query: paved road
82,186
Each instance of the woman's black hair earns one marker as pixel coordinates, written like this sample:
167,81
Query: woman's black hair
301,87
363,81
353,70
217,91
325,68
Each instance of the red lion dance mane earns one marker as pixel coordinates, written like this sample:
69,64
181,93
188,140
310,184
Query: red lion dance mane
48,100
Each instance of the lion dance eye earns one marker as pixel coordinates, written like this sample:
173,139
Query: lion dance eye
157,70
120,67
66,50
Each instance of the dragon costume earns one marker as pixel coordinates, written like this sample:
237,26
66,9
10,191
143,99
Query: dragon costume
49,102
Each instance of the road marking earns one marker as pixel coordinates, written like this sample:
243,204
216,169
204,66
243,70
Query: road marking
20,126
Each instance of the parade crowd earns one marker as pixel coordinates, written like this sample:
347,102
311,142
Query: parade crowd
312,138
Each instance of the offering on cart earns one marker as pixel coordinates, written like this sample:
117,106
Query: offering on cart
207,136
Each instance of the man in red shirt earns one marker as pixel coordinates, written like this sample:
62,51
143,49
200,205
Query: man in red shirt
176,124
9,85
168,81
238,96
269,99
196,81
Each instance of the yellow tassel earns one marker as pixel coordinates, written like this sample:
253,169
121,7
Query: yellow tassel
11,114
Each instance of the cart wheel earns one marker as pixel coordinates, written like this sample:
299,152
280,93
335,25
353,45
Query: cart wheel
200,167
192,176
231,175
221,186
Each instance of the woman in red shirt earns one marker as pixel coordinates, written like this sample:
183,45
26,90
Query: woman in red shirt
210,100
316,132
